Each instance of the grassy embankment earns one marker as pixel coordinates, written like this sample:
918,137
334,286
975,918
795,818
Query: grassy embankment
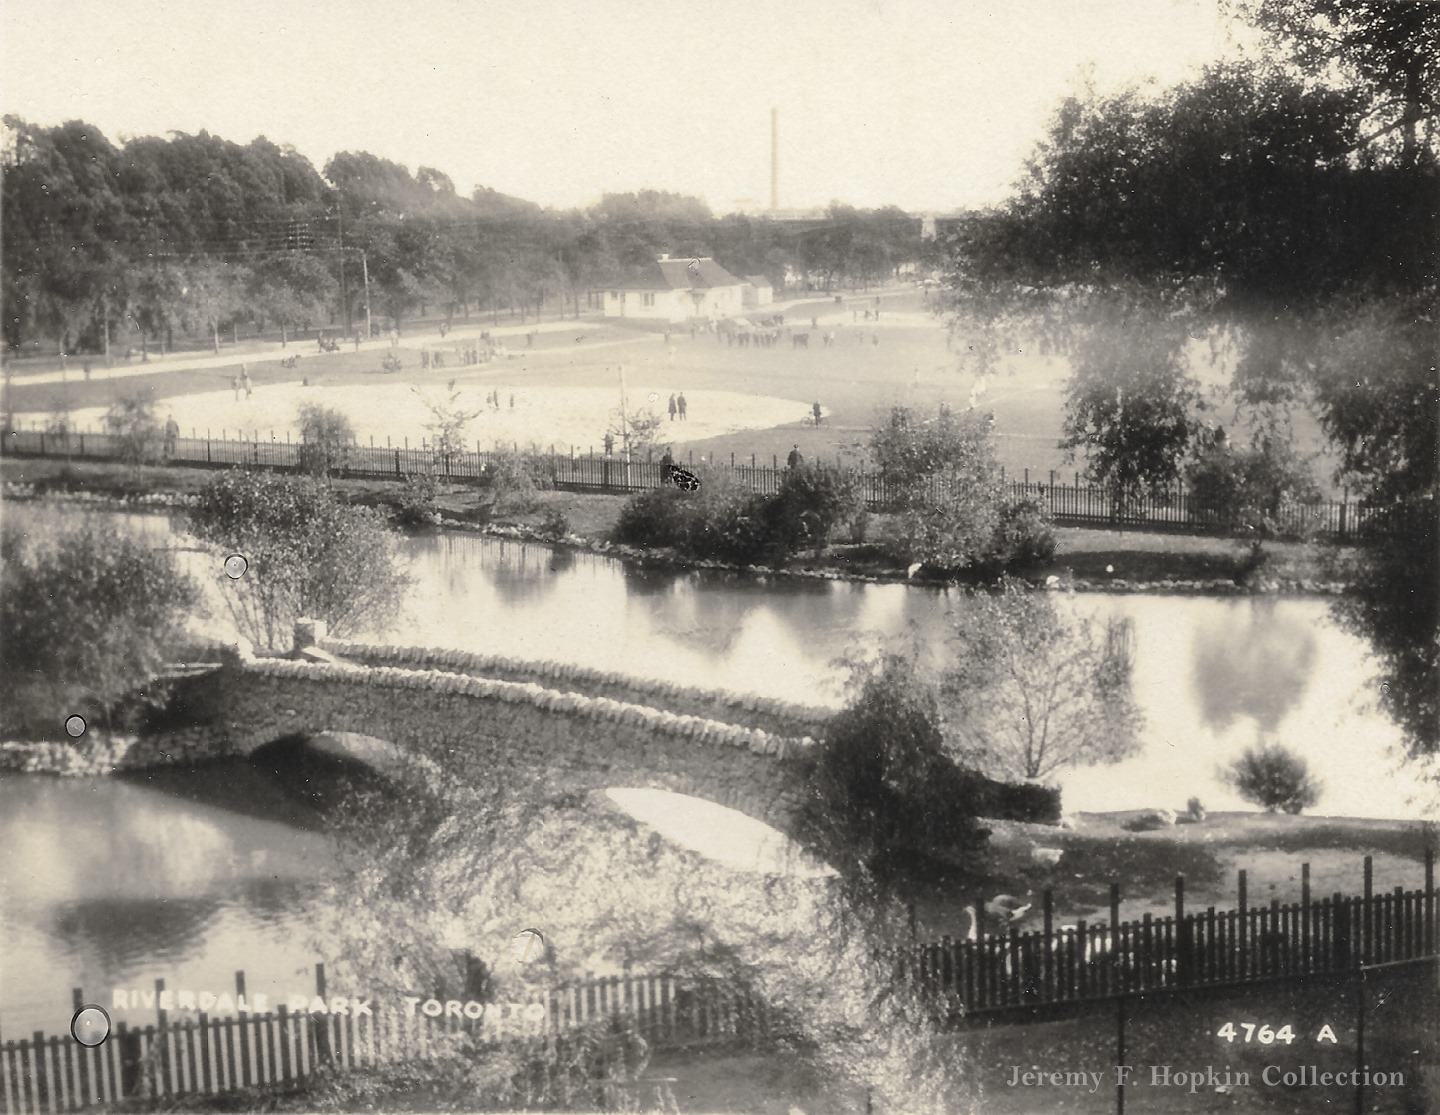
1095,556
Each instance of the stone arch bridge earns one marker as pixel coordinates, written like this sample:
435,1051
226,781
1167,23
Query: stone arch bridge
550,725
563,727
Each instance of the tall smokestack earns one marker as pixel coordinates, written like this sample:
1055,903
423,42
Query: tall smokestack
774,158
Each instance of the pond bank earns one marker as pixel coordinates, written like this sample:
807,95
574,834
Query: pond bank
1086,560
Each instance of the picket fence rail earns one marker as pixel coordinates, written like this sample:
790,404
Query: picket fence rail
205,1055
995,974
1331,936
1072,504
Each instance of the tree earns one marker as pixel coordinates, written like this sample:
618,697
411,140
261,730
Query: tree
211,295
1248,489
309,555
1250,208
1130,409
448,422
943,485
638,430
131,421
1274,778
811,504
1392,51
883,803
90,615
326,436
1030,689
290,289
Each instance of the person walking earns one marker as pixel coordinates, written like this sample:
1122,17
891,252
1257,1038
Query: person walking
680,405
672,407
794,460
235,387
245,381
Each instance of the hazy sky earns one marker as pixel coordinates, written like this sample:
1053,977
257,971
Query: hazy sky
924,105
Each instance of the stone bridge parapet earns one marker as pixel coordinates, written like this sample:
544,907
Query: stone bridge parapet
763,713
541,736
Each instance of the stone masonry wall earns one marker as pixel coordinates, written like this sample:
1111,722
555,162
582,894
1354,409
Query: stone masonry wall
563,741
769,715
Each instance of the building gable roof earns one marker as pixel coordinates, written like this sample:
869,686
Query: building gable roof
687,273
757,280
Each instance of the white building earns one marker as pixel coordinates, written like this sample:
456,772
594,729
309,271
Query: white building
758,291
676,290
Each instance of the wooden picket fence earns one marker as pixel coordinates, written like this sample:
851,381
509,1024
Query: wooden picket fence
1070,504
205,1055
1053,965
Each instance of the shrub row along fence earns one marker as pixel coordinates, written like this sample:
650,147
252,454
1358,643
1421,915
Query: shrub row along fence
207,1055
1000,972
1073,504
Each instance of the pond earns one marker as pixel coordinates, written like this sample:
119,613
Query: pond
192,874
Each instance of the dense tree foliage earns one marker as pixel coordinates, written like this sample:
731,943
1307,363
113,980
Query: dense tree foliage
308,554
947,497
1032,687
89,617
1273,214
194,232
884,804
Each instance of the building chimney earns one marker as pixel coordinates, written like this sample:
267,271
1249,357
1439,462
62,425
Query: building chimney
774,159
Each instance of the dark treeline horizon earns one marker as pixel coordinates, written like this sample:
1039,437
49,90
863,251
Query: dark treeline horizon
196,233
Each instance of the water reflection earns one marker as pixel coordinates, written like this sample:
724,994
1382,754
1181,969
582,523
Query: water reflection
185,874
1254,665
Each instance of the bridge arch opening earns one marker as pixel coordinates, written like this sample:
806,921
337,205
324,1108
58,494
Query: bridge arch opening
717,832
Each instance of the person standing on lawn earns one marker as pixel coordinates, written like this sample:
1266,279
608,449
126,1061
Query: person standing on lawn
815,410
672,407
667,466
794,460
680,405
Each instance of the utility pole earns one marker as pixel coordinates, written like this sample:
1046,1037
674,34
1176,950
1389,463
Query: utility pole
365,268
344,288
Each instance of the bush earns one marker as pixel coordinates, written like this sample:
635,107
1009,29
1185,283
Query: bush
723,520
883,804
728,522
943,484
89,613
137,432
654,518
555,524
325,439
1274,778
1250,489
508,483
1023,536
811,504
417,500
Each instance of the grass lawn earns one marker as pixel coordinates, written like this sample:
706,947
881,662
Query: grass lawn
855,381
1269,847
